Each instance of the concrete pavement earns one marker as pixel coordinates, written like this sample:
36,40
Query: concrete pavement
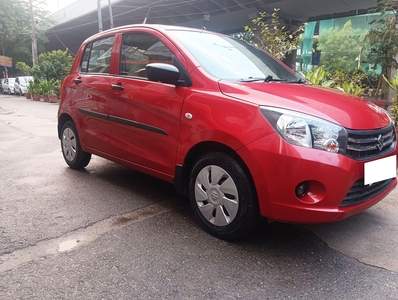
370,237
109,232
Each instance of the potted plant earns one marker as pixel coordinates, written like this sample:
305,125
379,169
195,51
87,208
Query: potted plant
318,76
45,88
54,90
351,88
28,95
35,89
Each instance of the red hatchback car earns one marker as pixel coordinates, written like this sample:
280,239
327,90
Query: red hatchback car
231,127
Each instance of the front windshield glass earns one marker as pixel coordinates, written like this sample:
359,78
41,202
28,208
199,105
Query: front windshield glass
231,59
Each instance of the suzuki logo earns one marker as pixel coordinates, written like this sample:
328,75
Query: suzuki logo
381,144
214,196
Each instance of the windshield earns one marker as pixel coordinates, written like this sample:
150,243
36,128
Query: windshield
231,59
25,80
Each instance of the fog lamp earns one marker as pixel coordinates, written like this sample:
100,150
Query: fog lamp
302,189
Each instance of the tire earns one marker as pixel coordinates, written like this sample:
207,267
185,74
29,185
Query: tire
222,196
73,154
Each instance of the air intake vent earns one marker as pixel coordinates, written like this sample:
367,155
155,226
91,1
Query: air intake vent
360,193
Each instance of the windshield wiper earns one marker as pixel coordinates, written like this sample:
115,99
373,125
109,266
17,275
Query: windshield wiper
251,79
269,78
300,80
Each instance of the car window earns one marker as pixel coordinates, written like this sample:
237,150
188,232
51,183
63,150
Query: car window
97,56
140,49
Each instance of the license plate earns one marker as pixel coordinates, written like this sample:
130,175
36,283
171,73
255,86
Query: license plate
380,169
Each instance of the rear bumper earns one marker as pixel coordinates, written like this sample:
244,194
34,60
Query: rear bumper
278,168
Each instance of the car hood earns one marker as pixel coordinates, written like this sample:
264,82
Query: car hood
344,109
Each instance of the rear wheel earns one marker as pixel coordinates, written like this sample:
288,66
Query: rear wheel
73,154
222,196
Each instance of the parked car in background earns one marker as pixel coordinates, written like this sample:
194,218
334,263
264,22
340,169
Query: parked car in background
21,84
8,86
231,127
1,85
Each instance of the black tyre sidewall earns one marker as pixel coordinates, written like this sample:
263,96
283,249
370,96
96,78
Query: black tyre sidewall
247,217
82,158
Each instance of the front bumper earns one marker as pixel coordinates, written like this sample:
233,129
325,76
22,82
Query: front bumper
278,167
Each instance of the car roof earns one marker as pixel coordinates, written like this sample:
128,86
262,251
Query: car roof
158,27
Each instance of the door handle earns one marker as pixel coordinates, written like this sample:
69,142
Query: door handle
117,87
77,80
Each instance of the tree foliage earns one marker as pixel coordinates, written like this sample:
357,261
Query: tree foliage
393,83
23,68
342,49
383,38
16,28
272,36
55,64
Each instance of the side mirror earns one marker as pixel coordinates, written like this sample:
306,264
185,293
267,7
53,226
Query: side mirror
165,73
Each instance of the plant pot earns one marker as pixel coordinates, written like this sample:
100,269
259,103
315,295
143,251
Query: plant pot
45,98
28,96
36,97
53,98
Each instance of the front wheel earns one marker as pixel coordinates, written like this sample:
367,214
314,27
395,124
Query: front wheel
73,154
222,196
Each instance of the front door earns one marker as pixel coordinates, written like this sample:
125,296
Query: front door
145,115
91,95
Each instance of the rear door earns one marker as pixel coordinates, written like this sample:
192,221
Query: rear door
145,115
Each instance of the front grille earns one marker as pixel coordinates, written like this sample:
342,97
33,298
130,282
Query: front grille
368,144
360,193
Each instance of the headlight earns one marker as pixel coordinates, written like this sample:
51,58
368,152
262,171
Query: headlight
305,130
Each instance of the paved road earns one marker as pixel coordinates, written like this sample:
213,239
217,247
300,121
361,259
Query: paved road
109,232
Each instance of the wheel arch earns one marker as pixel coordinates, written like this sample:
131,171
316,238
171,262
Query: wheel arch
62,119
182,172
